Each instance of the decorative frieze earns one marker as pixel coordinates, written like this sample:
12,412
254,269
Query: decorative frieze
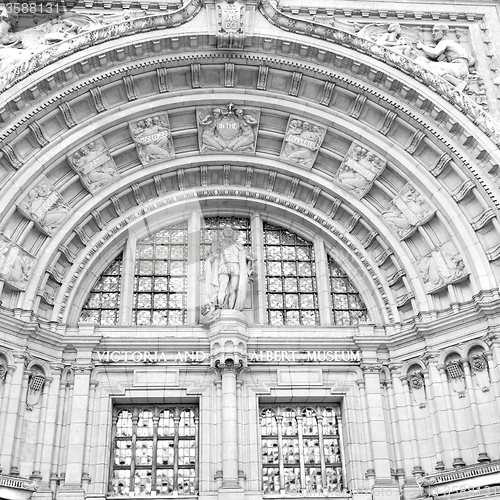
15,263
463,190
293,187
227,129
407,211
302,142
94,164
366,241
441,267
195,76
482,219
45,207
153,139
359,169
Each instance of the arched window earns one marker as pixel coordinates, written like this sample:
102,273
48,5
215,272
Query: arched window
160,281
292,297
103,303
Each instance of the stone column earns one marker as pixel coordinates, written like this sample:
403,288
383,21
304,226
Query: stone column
88,435
228,339
483,456
259,292
370,470
384,484
322,277
14,463
72,488
127,283
7,385
37,473
457,461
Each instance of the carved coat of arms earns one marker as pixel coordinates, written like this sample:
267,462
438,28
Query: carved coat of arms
153,139
302,142
15,263
441,267
94,164
230,32
45,206
227,129
358,171
407,211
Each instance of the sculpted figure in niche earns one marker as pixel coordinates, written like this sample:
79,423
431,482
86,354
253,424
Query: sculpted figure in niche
454,67
227,272
394,40
44,206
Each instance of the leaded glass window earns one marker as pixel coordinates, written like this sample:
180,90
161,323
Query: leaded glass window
155,451
301,450
160,281
103,302
348,308
292,297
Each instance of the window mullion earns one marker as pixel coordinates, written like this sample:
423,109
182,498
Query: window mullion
197,451
193,257
341,450
156,419
259,271
113,451
176,450
301,448
319,419
127,284
322,277
279,420
135,420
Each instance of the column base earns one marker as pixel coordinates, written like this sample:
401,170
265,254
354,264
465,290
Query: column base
231,494
71,492
385,490
44,493
483,457
411,489
458,462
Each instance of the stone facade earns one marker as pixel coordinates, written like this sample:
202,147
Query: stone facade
364,140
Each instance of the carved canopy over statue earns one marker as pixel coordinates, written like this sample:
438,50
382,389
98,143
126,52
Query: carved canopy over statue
228,269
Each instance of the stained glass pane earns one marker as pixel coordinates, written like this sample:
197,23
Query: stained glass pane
348,307
289,267
161,277
103,302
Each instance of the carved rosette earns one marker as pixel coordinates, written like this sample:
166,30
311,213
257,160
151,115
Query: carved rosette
94,164
417,387
479,368
45,207
407,211
227,129
153,139
15,263
359,169
441,267
302,142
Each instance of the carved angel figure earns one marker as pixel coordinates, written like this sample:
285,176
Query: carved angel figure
153,139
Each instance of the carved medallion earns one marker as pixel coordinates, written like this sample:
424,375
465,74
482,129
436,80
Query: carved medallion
358,171
441,267
227,129
15,263
44,206
230,19
407,211
153,139
302,142
94,164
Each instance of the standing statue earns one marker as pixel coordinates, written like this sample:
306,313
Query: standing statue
228,269
455,66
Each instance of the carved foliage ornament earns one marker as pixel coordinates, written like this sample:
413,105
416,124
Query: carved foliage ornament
45,206
359,169
228,128
15,263
407,211
441,267
94,164
153,139
302,142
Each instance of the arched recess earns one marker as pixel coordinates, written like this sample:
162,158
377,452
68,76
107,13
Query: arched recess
357,99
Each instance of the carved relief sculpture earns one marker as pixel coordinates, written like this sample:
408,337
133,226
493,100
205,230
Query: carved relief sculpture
15,263
230,24
227,129
454,67
441,267
407,211
153,139
35,388
45,206
94,165
456,377
228,269
359,170
417,388
479,371
302,142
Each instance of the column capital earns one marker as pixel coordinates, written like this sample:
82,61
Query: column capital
229,367
370,367
395,368
430,358
82,368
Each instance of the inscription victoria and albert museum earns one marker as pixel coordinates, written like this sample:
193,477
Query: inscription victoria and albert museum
341,356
